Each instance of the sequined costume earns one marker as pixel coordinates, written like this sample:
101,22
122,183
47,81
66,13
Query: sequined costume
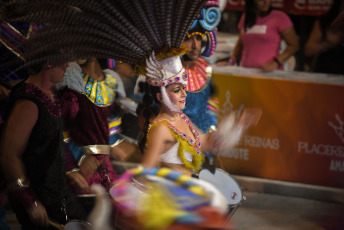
44,159
87,106
186,151
200,106
199,102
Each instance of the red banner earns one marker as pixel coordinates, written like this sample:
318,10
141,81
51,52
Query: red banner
310,7
298,7
235,5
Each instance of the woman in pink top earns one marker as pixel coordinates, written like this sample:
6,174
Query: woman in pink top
261,31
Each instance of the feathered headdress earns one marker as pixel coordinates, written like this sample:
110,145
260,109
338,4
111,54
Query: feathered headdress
205,25
12,48
124,30
167,71
146,33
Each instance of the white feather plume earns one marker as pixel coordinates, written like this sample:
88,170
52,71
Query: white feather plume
73,78
100,216
155,70
167,101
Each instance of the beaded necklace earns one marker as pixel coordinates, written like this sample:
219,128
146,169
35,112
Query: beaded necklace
101,93
198,75
188,144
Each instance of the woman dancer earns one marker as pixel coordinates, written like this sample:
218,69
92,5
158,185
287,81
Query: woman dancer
170,139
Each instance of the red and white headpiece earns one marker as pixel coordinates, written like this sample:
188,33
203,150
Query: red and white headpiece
165,72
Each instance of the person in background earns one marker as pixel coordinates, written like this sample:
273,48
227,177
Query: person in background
32,152
201,106
12,36
126,72
325,47
92,120
261,31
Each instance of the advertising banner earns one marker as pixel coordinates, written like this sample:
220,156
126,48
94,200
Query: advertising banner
238,5
310,7
300,134
297,7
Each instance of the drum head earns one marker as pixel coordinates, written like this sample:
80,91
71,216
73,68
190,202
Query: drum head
77,225
223,182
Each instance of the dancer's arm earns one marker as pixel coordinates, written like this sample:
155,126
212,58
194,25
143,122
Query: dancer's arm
157,140
14,139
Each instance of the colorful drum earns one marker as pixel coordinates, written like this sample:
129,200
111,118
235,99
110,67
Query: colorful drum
227,185
77,225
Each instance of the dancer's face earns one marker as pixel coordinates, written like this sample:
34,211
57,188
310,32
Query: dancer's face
177,94
194,45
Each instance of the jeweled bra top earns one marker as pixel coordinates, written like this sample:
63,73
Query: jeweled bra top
186,144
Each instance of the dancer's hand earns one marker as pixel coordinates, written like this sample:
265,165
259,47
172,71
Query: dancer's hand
78,180
89,166
231,129
38,214
118,154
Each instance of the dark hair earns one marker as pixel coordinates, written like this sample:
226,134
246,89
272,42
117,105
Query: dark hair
147,109
250,13
54,56
35,68
103,62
